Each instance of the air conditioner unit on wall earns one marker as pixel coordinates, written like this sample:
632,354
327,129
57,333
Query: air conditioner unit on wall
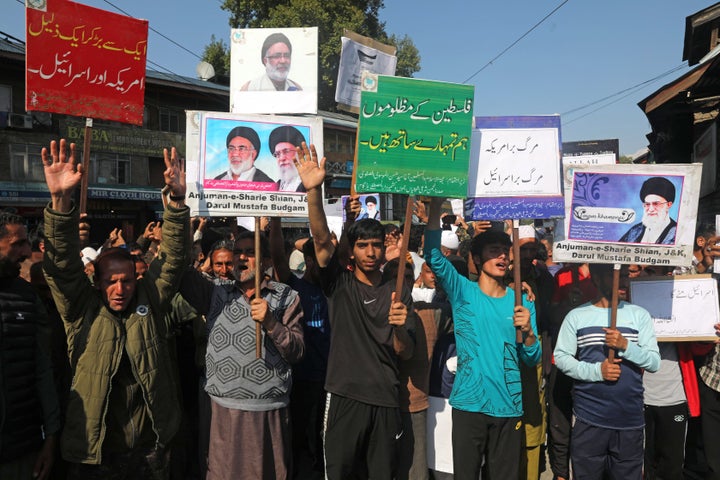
19,120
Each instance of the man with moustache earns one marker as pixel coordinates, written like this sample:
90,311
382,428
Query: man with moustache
123,408
657,195
250,436
276,55
243,145
28,400
283,144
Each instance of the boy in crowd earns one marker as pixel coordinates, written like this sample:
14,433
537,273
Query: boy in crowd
608,395
486,396
371,330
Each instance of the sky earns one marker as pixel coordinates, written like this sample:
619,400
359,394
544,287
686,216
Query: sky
583,53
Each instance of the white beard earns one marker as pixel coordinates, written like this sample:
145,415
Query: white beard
244,275
274,74
288,174
241,168
655,223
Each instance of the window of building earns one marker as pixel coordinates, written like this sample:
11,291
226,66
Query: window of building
112,169
5,98
26,163
171,120
345,143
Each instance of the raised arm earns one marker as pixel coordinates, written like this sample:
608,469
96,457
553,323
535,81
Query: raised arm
174,177
312,175
165,271
434,213
62,175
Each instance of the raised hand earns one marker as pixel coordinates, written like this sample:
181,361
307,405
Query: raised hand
62,175
150,229
311,172
420,211
352,208
174,173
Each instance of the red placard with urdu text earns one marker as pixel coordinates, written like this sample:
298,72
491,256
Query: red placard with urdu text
85,61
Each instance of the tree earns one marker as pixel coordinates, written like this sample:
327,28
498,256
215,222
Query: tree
408,56
216,53
360,16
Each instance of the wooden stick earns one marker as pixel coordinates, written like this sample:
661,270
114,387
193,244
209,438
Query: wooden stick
517,278
614,305
403,250
353,178
258,271
86,165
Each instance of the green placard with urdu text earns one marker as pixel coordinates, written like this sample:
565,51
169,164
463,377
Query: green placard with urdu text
414,136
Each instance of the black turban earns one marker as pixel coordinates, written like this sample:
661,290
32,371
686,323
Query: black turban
272,40
286,133
659,186
245,132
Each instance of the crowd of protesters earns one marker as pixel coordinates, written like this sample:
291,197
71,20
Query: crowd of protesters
202,350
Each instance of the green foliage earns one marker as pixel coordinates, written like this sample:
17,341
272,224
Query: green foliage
331,17
408,56
217,54
625,159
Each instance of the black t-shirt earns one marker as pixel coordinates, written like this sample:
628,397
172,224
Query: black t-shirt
362,363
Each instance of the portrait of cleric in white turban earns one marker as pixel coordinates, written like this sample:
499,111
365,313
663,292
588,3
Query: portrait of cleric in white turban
657,195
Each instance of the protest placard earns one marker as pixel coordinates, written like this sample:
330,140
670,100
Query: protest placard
591,152
413,136
683,308
239,165
85,61
625,213
358,54
273,70
370,206
515,168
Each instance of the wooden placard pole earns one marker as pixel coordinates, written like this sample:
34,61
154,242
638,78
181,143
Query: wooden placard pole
403,250
614,305
353,178
517,278
258,271
86,165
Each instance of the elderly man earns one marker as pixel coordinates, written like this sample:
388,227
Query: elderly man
123,409
243,145
657,195
250,436
276,55
283,145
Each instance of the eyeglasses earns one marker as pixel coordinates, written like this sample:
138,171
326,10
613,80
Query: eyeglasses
285,152
240,149
248,252
278,56
653,204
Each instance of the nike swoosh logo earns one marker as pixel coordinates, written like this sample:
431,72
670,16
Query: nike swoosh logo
368,302
397,437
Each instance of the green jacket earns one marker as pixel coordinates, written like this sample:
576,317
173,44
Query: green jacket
97,336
